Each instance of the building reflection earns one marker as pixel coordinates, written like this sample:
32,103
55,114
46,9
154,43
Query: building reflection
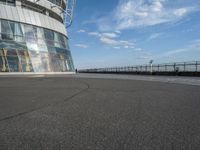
27,48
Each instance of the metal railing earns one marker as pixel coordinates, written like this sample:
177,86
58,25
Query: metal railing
193,66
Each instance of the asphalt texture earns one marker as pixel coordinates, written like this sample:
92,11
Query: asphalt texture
81,112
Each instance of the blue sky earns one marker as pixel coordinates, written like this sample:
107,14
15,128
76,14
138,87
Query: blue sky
111,33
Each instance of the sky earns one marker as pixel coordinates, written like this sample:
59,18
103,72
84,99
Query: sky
110,33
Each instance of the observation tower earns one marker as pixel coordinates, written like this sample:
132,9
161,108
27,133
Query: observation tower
33,36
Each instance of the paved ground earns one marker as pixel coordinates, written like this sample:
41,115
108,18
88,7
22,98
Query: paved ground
82,112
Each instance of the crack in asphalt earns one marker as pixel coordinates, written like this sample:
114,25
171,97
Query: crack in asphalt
52,104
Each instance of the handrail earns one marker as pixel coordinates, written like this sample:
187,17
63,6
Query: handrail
164,67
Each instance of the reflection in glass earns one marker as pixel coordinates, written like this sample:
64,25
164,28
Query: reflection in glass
27,48
13,61
4,61
6,32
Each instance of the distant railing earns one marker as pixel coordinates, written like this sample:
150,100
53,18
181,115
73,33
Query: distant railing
167,68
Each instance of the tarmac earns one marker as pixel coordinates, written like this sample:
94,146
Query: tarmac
99,112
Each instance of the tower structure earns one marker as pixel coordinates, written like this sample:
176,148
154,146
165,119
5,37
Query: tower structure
33,36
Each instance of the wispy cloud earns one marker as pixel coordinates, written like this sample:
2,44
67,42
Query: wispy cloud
193,46
111,40
105,34
141,13
110,35
81,31
116,47
144,57
95,34
155,36
82,45
117,43
118,31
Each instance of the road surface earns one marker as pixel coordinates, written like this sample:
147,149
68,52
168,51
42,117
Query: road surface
99,112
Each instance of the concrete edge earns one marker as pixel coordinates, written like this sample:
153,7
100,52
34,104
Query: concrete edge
36,73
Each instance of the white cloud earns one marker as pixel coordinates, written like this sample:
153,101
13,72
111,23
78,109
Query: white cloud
81,45
143,57
108,41
94,34
193,46
116,43
155,36
110,35
141,13
117,47
111,39
180,12
106,34
138,49
118,31
81,31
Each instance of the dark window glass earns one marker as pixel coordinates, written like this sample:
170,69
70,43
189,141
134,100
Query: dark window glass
13,61
18,33
6,32
29,31
57,2
49,36
29,34
8,2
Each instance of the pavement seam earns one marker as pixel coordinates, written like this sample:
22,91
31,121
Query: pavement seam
39,108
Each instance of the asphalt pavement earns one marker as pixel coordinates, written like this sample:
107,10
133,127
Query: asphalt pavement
99,112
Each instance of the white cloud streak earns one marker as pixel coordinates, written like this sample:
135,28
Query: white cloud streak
109,39
193,46
155,36
81,45
81,31
131,14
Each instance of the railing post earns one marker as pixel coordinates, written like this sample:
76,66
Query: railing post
196,66
151,69
174,67
184,66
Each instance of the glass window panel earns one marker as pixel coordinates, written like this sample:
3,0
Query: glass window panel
45,61
7,33
55,63
42,47
12,26
57,2
18,33
57,40
49,36
0,29
25,61
8,2
30,37
36,61
29,32
3,61
2,1
13,60
62,40
41,40
40,33
48,49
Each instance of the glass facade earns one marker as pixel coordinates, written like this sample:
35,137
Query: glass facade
8,2
57,2
12,2
27,48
